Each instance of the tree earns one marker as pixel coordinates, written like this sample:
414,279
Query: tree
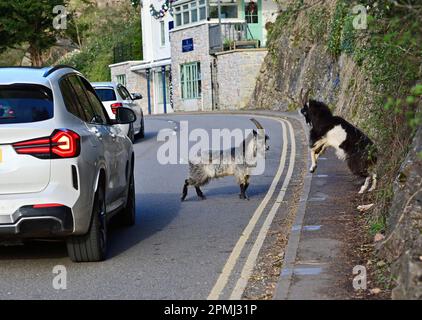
29,22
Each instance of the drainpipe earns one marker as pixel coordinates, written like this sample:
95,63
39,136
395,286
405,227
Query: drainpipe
163,73
219,24
148,71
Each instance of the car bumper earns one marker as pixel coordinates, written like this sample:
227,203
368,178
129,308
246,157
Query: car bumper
31,222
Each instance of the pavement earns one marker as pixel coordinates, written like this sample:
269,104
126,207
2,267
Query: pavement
315,266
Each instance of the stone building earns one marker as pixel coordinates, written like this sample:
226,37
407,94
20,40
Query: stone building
195,61
215,62
151,76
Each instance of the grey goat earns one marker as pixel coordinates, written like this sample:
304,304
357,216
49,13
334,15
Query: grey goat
235,162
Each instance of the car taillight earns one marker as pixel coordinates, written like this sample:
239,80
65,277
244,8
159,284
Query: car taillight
46,205
65,144
62,143
115,106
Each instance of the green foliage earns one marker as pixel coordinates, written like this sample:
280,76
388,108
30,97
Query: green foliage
318,18
336,27
31,22
100,32
283,20
377,225
407,106
348,36
228,44
12,57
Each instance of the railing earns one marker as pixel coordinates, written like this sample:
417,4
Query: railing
230,34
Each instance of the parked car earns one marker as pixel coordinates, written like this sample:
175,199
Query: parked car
65,167
114,95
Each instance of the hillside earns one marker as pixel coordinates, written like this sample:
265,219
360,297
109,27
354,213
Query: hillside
371,75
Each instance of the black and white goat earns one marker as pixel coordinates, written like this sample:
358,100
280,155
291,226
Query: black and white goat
350,143
237,161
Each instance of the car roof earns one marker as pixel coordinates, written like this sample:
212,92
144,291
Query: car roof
110,84
32,75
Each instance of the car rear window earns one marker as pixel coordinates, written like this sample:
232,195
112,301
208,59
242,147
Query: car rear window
106,94
25,103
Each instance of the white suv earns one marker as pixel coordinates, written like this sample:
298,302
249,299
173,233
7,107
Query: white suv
65,167
114,95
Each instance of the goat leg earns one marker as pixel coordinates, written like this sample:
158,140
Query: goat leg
244,190
199,193
374,182
242,194
314,158
185,190
365,185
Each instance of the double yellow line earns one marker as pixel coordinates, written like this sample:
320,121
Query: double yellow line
246,234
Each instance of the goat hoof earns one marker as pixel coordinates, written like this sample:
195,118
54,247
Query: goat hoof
203,198
312,170
182,199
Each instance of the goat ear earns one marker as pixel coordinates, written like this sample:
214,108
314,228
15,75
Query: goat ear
254,132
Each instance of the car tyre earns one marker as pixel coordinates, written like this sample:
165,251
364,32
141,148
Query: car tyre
92,246
141,133
128,214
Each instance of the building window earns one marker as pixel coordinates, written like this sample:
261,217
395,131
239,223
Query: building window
163,33
190,80
228,9
251,12
121,78
190,12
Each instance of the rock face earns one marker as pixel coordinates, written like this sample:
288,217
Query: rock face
403,244
297,59
300,57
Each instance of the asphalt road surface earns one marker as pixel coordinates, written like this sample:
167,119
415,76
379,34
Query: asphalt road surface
177,250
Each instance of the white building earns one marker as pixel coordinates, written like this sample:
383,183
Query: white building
198,61
151,76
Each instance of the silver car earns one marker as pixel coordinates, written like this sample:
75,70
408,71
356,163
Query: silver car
115,95
65,167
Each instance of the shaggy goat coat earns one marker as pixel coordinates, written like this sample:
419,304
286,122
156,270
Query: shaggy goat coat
238,162
350,143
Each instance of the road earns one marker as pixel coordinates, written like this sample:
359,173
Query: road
177,250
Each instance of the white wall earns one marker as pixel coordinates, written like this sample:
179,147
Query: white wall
151,36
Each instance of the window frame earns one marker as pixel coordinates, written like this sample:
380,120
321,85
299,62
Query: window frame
187,8
224,4
162,33
249,18
120,77
191,80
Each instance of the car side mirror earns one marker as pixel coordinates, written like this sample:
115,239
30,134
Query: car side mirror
136,96
125,115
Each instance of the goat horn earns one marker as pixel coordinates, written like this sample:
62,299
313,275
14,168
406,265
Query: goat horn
258,125
301,97
306,96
